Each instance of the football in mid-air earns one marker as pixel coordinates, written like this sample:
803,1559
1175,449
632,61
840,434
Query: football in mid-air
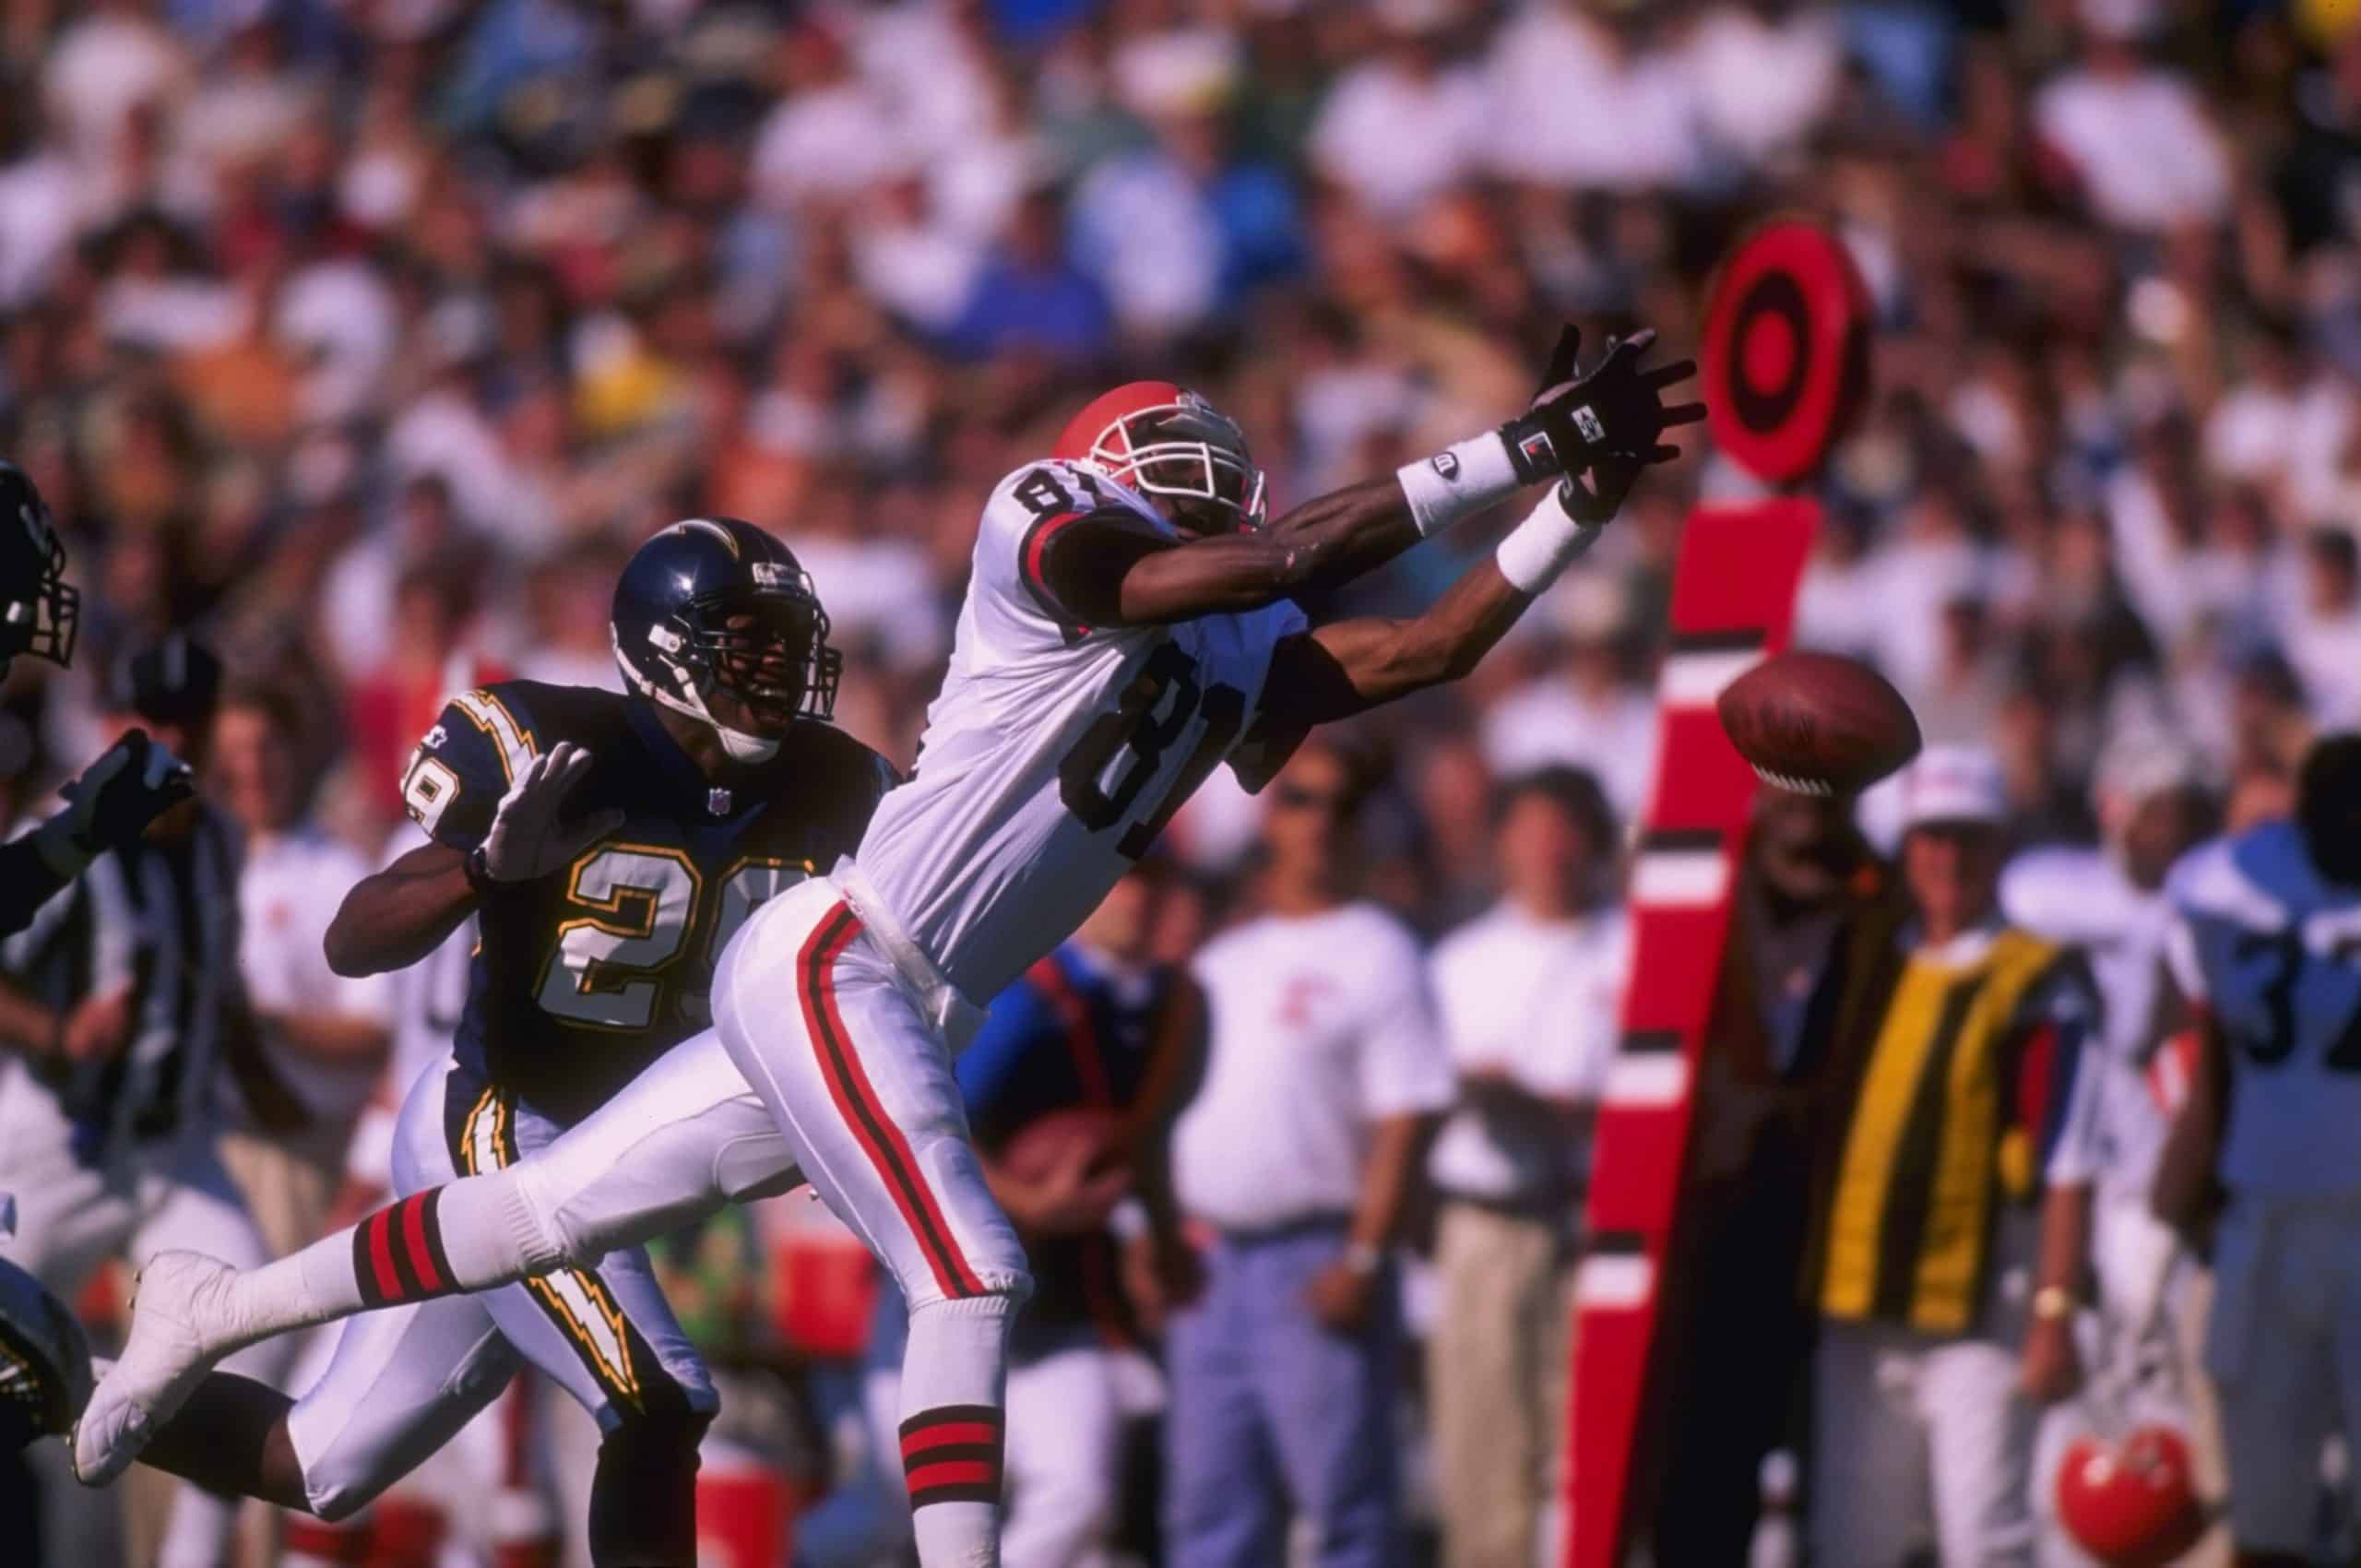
1818,724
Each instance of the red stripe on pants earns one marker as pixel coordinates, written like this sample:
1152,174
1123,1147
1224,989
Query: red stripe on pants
849,1086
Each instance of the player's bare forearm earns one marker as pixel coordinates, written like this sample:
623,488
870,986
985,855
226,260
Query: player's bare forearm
1397,1152
2184,1190
1355,529
1347,667
2065,1251
1319,545
394,918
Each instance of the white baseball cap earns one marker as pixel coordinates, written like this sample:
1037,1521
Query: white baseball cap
1953,784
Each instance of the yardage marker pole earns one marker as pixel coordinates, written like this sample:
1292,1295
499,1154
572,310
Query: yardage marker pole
1783,367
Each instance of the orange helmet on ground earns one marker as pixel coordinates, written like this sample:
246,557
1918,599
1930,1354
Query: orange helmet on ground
1162,440
2132,1503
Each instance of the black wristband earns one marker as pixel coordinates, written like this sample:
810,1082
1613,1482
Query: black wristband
478,869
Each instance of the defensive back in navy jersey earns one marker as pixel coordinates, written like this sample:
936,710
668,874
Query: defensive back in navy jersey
585,977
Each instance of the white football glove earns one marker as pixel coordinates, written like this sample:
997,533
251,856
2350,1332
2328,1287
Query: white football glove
526,839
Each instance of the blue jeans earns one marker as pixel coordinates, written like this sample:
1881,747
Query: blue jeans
1269,1408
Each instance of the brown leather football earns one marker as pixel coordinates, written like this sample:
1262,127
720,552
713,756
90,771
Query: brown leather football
1818,724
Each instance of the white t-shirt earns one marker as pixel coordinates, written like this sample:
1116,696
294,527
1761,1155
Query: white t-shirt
1547,723
1319,1027
1540,1001
2081,898
286,895
2143,144
1396,140
1055,753
2274,954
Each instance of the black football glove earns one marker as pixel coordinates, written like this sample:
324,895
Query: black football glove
1596,498
1616,407
132,784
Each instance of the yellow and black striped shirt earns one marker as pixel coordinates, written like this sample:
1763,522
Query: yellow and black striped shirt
1964,1095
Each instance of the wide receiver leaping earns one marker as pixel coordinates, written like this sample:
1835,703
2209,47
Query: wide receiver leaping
1129,623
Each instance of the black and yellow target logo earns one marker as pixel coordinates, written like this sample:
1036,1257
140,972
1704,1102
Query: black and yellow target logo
1787,352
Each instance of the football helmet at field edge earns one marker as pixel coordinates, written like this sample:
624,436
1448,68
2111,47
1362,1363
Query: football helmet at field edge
2131,1502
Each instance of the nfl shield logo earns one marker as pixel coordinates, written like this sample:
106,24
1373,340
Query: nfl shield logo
717,800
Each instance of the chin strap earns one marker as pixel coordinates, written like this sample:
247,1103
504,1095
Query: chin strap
740,745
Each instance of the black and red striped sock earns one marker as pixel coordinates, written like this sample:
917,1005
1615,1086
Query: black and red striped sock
953,1454
398,1252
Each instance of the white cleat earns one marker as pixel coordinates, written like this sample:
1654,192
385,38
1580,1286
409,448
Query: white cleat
178,1331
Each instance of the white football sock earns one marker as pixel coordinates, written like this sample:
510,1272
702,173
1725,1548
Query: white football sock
955,1373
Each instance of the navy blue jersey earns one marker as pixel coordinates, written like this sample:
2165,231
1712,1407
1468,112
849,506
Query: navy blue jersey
1069,1033
584,976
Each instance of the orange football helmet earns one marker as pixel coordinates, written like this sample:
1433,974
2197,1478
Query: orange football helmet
2131,1502
1164,440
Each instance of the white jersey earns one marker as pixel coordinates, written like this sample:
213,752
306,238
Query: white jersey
1055,753
2081,898
2274,954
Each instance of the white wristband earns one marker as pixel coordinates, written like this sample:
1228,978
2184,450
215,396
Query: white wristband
1458,480
1543,545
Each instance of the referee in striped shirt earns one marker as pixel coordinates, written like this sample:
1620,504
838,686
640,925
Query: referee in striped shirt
122,996
116,797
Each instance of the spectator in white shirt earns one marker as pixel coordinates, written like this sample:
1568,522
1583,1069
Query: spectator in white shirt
1530,994
1584,714
1402,126
327,1036
1323,1079
2137,136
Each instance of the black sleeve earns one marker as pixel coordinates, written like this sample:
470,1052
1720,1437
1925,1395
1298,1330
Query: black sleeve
27,881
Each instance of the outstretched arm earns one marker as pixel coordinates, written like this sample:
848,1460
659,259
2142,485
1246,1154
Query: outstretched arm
1108,569
1347,667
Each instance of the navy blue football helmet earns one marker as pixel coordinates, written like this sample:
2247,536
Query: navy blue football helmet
714,605
40,610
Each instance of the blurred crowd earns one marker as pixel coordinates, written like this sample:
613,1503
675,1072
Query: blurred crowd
364,338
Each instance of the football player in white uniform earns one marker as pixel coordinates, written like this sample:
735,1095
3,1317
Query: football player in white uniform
2266,943
1128,625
